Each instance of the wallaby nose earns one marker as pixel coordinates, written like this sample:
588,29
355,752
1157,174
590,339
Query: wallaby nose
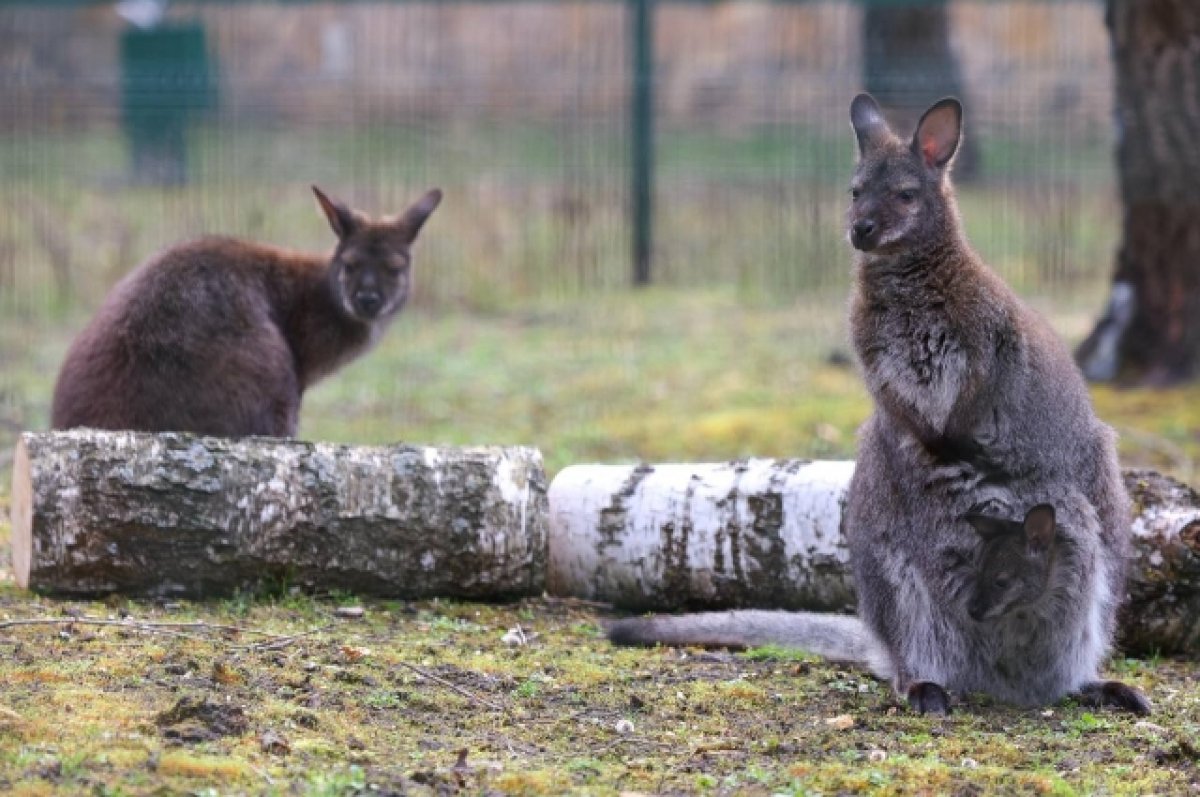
861,234
368,303
864,227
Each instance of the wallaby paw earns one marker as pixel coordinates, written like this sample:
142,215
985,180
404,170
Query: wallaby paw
1115,694
993,507
951,477
926,697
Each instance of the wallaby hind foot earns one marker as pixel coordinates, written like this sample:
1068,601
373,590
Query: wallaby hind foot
926,697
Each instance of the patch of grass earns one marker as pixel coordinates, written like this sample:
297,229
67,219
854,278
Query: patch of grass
778,653
575,714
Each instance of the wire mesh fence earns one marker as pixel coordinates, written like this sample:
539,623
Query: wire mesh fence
521,113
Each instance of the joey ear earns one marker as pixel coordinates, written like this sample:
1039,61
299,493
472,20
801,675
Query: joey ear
414,218
1039,527
867,120
987,526
342,219
938,133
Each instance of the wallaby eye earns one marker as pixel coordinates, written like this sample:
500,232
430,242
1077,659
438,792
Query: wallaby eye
907,196
1001,582
855,193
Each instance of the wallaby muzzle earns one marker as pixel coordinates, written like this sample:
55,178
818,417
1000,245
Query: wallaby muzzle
863,235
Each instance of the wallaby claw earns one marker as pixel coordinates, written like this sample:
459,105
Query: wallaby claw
926,697
1117,695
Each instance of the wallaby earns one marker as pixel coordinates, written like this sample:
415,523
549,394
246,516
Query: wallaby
221,336
1015,564
978,408
1011,589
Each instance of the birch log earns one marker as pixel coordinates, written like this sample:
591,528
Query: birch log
179,515
767,534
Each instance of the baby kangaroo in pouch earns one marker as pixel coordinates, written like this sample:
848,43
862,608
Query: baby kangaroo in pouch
1016,561
222,337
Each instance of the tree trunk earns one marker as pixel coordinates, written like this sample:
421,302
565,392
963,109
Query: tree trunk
181,515
908,65
1150,333
767,534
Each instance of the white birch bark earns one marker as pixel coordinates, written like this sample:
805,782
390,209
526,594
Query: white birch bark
767,534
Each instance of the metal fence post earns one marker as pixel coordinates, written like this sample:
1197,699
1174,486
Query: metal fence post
642,135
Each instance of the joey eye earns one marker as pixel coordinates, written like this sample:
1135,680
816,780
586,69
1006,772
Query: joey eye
907,196
1001,582
855,193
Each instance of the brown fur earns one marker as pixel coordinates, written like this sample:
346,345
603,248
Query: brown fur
222,337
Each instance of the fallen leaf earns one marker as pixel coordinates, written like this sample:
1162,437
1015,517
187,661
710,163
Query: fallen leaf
354,654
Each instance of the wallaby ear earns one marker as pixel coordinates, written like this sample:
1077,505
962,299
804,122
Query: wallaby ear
1039,527
938,133
341,218
867,120
414,218
989,527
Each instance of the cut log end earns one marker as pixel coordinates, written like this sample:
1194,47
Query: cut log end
22,515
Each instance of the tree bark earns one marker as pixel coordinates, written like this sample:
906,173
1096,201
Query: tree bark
1150,333
181,515
908,64
767,534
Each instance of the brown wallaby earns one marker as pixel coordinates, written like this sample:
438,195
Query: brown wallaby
978,408
222,337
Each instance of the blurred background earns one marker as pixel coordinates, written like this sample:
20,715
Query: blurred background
640,254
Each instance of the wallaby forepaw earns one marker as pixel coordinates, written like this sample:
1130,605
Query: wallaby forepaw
1117,695
926,697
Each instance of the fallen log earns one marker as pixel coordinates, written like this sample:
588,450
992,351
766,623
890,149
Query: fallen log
767,534
180,515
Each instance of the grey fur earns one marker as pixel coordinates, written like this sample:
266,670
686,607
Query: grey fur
833,636
979,408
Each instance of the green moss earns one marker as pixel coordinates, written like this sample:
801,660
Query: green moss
578,716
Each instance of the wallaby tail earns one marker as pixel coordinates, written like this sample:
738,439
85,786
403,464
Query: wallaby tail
832,636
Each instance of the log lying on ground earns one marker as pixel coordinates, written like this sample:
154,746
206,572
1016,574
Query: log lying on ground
767,534
174,514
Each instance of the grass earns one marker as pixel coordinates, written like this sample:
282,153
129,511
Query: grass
524,333
656,375
653,375
568,714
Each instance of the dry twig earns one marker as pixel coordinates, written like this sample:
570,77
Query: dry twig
454,688
275,641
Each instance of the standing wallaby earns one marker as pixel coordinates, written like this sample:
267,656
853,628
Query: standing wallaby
978,408
978,405
222,337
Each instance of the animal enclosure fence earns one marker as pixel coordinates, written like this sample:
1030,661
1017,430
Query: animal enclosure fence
582,145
